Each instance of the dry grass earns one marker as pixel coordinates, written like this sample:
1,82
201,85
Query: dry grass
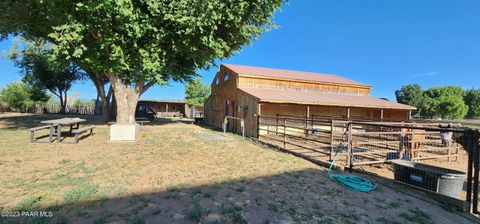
182,173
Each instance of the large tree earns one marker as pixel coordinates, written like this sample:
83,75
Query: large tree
196,92
446,102
42,69
472,99
21,97
139,43
411,95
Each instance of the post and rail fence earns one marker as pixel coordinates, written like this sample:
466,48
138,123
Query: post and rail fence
361,143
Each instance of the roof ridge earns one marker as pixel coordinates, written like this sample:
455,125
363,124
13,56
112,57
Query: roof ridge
277,73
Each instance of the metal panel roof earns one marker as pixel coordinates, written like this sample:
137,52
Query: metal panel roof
326,99
243,70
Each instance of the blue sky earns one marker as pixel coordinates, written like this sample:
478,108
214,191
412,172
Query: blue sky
381,43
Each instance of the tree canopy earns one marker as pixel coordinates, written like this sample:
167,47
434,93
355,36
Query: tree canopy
196,92
411,95
138,44
41,69
22,97
472,99
438,102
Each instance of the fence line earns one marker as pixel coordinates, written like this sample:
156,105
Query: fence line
50,108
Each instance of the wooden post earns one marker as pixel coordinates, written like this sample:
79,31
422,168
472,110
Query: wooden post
449,151
276,126
166,110
348,113
412,146
409,115
349,147
381,114
402,138
331,139
285,133
259,111
306,121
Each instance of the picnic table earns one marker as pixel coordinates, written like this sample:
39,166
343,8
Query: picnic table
64,122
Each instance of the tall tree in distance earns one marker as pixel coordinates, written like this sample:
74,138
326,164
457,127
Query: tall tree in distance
138,44
196,92
472,99
446,102
411,95
21,97
41,69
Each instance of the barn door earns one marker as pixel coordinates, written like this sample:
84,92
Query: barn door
230,111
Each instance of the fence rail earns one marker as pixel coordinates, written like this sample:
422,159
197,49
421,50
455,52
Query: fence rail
360,143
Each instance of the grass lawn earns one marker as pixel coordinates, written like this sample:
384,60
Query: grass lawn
182,173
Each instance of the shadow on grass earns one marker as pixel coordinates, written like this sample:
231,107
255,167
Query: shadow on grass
306,196
25,121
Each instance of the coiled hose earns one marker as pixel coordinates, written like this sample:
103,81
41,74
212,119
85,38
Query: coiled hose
351,181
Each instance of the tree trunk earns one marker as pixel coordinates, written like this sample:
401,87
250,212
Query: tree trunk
62,103
126,98
105,98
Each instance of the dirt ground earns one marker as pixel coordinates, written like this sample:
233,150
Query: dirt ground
183,173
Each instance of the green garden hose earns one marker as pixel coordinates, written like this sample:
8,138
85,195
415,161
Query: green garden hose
351,181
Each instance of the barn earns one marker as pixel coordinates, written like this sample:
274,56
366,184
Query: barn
251,92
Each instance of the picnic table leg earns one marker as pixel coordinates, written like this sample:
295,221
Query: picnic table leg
71,127
50,134
31,136
59,130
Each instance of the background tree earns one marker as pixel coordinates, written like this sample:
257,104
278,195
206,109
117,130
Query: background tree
21,98
196,92
411,95
41,69
472,100
446,102
138,44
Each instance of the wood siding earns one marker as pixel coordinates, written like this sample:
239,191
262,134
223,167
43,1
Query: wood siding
261,83
247,106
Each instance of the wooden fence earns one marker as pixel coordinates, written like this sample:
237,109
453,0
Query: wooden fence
49,108
356,142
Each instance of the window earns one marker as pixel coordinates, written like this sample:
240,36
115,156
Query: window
226,77
217,81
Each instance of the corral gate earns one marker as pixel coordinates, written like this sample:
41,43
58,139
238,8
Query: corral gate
359,143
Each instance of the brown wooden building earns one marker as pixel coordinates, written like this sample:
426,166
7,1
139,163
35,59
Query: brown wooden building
167,108
246,92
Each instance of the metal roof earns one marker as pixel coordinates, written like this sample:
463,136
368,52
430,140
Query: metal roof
326,99
243,70
162,100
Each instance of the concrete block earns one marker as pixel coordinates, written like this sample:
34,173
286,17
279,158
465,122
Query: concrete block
124,132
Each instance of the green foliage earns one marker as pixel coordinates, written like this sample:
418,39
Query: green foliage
446,102
196,92
20,97
438,102
84,192
472,99
80,102
137,44
411,95
42,70
28,203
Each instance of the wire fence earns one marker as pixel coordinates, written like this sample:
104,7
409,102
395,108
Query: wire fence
428,156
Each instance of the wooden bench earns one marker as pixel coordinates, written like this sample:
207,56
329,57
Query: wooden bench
50,135
143,122
79,131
